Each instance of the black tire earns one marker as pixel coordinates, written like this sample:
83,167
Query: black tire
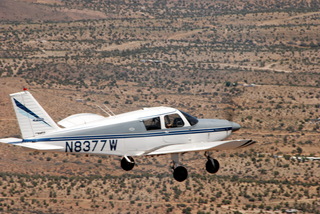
180,173
125,165
212,165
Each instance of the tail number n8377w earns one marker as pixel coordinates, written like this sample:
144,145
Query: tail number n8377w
90,145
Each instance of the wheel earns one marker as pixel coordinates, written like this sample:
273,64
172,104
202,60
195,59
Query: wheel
212,165
180,173
127,165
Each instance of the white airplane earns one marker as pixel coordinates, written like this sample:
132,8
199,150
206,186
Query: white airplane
150,131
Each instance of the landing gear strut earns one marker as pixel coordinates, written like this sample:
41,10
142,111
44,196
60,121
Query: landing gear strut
127,163
212,165
180,173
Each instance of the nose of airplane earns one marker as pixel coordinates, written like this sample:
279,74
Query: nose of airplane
235,126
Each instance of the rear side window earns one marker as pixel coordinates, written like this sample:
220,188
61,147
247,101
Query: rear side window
152,124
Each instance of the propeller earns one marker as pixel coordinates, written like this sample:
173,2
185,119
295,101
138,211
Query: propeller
229,111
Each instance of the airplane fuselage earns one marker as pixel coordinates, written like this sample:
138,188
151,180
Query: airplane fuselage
131,138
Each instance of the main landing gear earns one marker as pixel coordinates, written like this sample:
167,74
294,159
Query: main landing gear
180,173
127,163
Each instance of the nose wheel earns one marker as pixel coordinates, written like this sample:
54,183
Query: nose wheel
212,165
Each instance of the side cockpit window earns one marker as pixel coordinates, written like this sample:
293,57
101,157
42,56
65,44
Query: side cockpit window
173,121
152,124
191,119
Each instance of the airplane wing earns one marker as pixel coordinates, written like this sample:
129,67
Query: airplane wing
192,147
35,146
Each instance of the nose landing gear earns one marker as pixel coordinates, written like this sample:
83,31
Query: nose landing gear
212,165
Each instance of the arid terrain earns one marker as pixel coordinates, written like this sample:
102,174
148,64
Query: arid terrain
256,63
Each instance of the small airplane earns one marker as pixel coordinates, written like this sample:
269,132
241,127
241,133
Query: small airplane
145,132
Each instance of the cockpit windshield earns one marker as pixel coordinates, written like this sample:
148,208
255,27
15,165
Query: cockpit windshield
191,119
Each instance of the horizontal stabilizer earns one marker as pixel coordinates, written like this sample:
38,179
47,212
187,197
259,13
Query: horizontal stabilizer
36,146
40,146
192,147
10,140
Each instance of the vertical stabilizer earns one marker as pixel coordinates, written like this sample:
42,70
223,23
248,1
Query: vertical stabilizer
32,118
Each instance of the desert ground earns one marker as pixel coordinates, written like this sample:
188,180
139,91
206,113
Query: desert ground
255,63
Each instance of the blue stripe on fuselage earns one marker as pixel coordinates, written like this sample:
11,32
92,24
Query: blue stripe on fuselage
123,136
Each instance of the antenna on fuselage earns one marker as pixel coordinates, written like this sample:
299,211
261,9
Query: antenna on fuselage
107,111
113,114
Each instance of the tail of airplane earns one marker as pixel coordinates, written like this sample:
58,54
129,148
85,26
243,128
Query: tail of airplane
32,118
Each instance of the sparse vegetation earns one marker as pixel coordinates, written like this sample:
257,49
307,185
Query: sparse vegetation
256,63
